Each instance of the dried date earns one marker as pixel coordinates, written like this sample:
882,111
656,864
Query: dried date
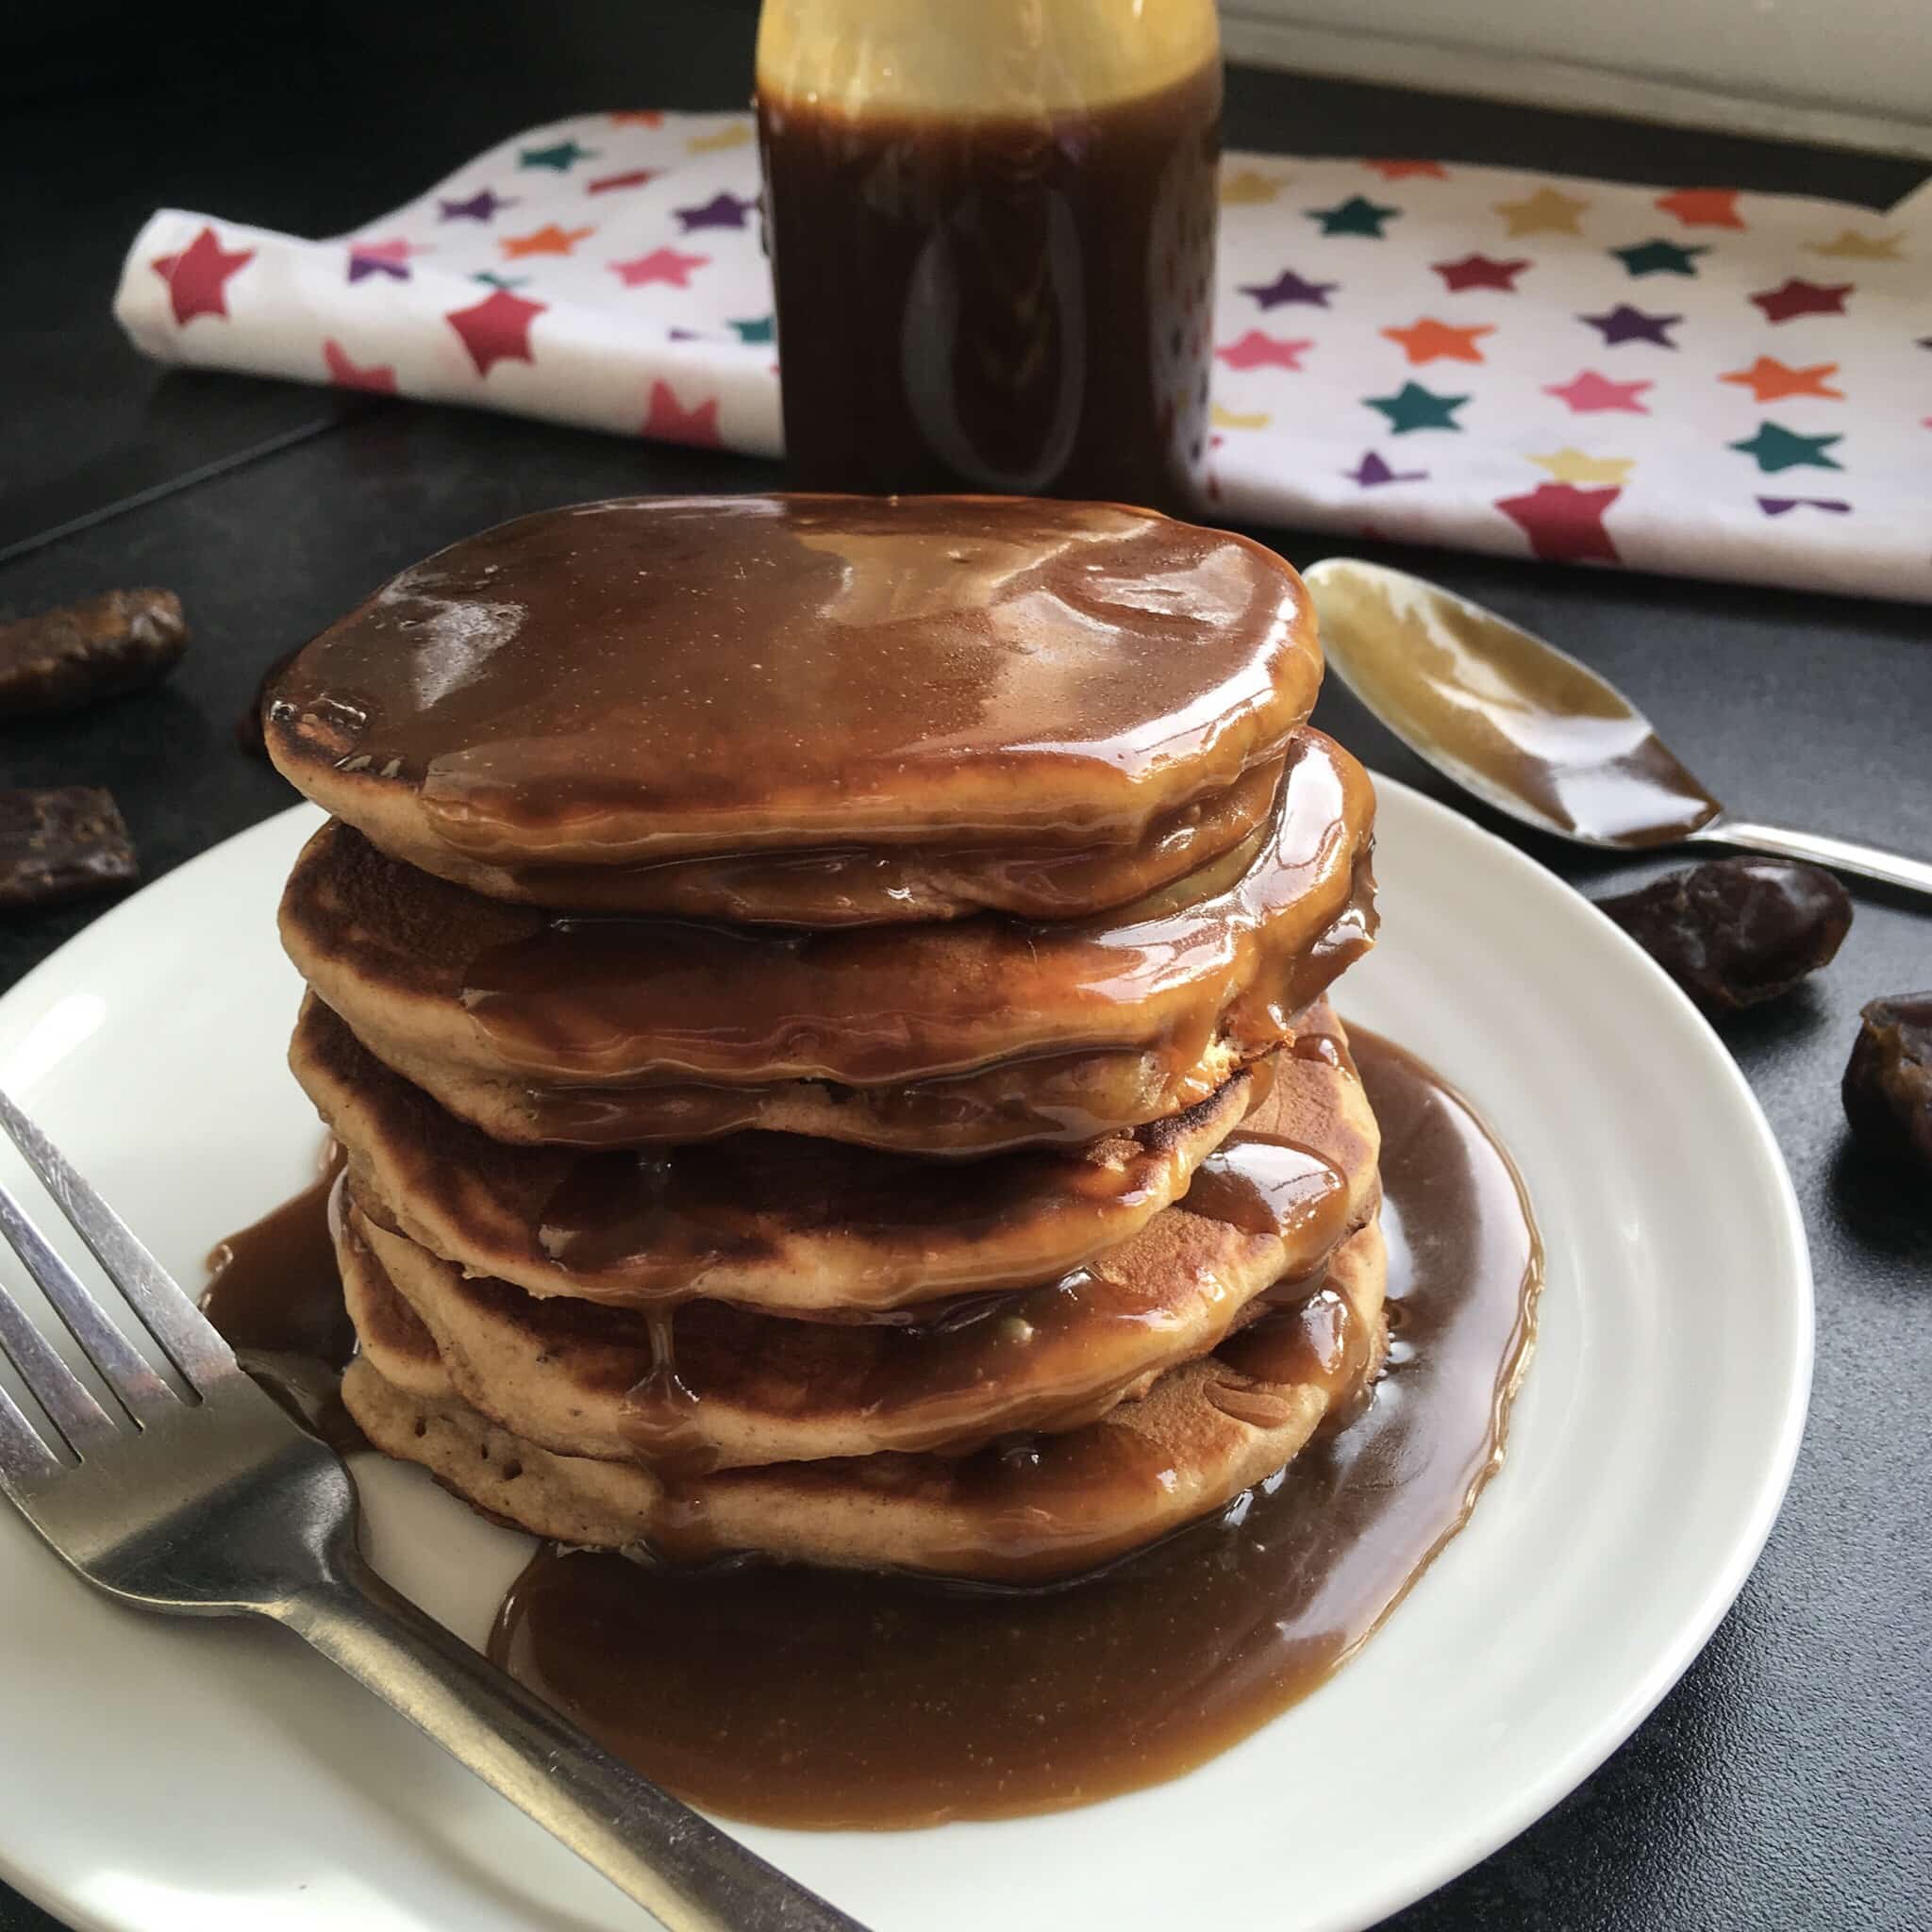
85,651
1736,931
68,843
1887,1083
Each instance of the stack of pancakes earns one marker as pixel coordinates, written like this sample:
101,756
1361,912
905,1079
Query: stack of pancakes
822,1000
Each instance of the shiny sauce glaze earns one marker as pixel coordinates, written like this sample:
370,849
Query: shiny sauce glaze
641,679
829,1698
810,1697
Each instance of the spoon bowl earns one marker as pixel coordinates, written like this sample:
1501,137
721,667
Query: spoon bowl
1531,731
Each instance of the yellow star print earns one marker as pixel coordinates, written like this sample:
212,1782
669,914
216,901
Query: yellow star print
1853,246
1546,212
1572,466
1247,188
735,136
1230,419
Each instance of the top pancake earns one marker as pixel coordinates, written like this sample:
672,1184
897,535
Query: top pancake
623,683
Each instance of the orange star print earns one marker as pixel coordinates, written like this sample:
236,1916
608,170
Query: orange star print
1704,208
1430,340
1768,379
548,240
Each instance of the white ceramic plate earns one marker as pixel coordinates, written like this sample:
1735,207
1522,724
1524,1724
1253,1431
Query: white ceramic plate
206,1776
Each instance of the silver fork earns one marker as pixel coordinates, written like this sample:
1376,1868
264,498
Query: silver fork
220,1505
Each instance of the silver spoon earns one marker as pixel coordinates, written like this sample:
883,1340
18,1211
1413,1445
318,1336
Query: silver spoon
1531,731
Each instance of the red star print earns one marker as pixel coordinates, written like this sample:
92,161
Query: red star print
1591,393
1479,272
631,177
660,265
1704,208
379,379
1403,171
1564,525
1799,297
670,422
637,117
198,278
496,329
1257,351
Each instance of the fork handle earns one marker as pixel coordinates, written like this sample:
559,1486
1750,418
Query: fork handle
650,1846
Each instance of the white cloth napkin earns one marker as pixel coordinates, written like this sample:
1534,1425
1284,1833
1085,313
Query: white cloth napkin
1704,382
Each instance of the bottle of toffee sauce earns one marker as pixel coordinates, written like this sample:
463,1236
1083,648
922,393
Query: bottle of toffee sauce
991,230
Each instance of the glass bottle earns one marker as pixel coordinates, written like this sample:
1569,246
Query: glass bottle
992,228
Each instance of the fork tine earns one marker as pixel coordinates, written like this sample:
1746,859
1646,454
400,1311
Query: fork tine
82,1422
191,1341
121,1365
23,1456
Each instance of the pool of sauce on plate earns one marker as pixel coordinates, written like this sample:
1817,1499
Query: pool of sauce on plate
828,1698
810,1697
275,1294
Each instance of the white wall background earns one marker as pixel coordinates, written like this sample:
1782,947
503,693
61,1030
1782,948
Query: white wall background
1845,70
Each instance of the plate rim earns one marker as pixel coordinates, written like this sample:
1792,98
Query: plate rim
1566,1769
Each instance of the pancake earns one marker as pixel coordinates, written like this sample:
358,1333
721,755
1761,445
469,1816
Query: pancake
777,1222
710,1386
430,975
1023,1511
1063,1100
664,678
834,886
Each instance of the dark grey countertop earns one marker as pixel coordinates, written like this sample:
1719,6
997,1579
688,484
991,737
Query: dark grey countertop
1787,1782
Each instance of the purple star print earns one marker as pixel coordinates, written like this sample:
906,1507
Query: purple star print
1371,469
724,210
1624,324
362,265
1290,286
482,207
1782,506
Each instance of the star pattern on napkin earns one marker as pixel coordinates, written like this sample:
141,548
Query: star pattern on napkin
1564,523
1429,340
548,240
1355,216
1568,465
561,157
1659,257
1795,296
345,373
1372,473
1480,272
660,265
1590,394
496,329
671,421
198,277
1624,324
1413,408
1703,207
1769,380
1548,211
1849,246
1258,350
724,210
484,206
1288,287
1775,448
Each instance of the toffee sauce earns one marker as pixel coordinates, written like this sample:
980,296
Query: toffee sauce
829,1699
1017,304
822,1698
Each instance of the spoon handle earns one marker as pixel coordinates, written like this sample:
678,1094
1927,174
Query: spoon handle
1814,848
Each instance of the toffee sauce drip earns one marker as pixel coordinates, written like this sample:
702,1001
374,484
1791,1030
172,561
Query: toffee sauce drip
826,1698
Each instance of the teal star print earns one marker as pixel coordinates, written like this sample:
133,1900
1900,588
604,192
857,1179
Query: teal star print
563,156
1775,447
497,281
1354,216
757,330
1412,407
1659,258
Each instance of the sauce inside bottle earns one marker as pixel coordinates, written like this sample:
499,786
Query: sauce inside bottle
992,232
